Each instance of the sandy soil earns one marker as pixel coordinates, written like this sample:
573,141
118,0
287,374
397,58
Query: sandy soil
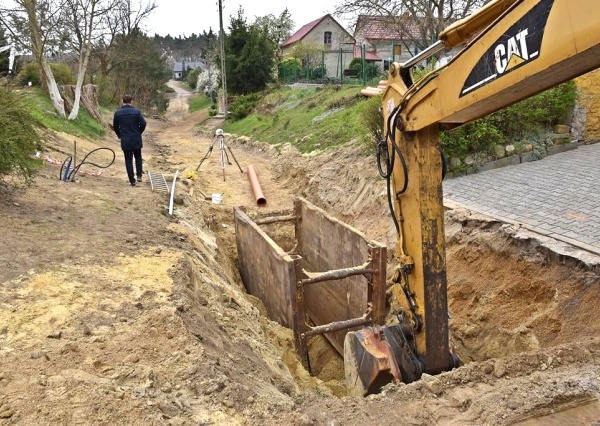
113,311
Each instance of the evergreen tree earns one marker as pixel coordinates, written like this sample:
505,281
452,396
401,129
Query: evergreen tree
18,138
249,56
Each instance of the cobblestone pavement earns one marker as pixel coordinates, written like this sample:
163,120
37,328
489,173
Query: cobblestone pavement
558,196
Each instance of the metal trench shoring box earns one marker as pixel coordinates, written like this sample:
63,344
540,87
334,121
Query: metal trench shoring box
332,282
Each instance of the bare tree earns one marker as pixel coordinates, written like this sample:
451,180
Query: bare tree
84,20
425,17
36,24
123,21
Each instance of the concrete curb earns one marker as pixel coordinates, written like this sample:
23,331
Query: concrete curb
452,205
514,160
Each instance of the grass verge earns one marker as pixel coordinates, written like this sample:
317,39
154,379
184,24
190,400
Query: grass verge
312,119
45,116
198,101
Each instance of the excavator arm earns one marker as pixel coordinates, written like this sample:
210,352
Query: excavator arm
513,49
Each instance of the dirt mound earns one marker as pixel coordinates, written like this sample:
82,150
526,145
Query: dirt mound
112,311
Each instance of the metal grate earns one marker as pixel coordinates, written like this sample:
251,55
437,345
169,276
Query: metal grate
158,182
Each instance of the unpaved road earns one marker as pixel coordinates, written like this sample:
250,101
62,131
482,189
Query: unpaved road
113,312
178,102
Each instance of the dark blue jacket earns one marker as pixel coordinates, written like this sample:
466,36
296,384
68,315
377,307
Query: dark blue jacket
129,124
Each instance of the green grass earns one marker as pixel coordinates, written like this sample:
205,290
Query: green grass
310,119
45,116
198,101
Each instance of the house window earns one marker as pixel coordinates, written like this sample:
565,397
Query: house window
327,37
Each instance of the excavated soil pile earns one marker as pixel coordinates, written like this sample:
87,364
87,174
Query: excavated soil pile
112,311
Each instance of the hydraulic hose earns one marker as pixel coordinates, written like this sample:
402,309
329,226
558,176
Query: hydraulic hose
71,175
389,160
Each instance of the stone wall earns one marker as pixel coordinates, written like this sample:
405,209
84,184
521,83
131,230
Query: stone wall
586,119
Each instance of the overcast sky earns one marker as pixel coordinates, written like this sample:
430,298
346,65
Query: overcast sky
184,17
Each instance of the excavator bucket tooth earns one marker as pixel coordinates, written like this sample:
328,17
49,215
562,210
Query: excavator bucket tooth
369,363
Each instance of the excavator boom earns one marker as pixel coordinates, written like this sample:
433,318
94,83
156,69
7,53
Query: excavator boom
514,49
530,47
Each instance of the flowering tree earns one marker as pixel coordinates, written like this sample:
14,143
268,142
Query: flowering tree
208,82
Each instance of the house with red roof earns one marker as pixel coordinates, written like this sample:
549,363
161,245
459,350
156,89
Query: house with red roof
390,38
330,42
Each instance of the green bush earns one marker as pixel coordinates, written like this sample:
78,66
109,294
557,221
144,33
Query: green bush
161,100
18,138
317,72
373,118
192,78
244,105
312,73
30,73
289,70
371,70
545,109
62,74
513,123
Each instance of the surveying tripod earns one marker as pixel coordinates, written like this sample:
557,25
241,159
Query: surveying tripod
222,152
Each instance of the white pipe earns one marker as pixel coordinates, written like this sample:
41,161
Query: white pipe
173,193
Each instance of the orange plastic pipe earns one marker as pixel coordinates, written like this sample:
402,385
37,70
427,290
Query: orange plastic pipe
256,189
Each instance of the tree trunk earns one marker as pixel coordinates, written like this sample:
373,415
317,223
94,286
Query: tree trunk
84,58
88,100
37,45
48,77
80,80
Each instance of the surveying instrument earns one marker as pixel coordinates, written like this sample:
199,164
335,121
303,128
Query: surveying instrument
222,151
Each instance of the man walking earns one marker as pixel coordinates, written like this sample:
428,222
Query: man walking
129,124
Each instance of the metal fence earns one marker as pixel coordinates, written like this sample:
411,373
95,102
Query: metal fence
330,67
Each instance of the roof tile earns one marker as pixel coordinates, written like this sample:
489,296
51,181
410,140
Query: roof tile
387,28
305,29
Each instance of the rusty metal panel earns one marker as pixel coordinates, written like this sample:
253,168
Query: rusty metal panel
266,270
325,244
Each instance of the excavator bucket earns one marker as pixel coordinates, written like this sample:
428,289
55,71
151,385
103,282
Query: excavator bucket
376,356
369,363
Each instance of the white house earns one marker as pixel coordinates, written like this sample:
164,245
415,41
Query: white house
180,67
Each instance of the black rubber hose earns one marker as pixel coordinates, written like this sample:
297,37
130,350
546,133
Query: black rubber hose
444,163
383,154
398,151
62,167
76,168
391,134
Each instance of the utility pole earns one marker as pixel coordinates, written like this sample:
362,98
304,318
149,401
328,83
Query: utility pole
223,75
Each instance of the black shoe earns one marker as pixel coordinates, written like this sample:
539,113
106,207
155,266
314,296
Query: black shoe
132,183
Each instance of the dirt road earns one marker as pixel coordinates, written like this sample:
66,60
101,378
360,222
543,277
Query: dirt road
113,312
178,102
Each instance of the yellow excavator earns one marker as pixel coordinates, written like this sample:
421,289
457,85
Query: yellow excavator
513,49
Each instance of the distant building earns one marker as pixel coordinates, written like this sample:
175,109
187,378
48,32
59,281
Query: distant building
180,68
326,33
390,38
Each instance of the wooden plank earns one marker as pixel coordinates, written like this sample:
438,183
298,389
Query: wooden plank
326,244
267,271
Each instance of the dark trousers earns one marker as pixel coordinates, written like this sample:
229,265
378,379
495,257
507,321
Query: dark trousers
129,154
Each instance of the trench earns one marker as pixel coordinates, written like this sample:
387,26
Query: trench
506,296
325,361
